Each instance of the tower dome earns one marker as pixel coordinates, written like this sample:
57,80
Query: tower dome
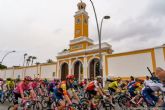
81,6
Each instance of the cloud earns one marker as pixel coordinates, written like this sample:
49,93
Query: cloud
144,31
44,28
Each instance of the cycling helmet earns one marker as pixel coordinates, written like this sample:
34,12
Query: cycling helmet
8,79
1,79
36,79
27,78
118,78
99,77
45,80
70,76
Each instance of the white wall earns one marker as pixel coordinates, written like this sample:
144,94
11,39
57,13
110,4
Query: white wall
2,74
9,73
159,56
18,72
47,71
125,66
31,71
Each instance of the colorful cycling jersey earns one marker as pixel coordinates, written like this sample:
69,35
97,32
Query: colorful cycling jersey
65,88
57,94
93,85
33,85
147,81
21,87
51,85
155,86
137,86
10,84
113,85
130,84
83,83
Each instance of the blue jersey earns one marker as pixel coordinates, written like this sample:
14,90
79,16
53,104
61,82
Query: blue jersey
130,84
57,94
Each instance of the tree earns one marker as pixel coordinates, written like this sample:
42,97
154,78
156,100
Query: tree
33,58
49,61
3,66
28,60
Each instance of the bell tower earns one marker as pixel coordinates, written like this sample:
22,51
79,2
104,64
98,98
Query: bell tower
81,40
81,21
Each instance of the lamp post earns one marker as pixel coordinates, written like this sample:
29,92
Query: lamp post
6,55
100,55
99,35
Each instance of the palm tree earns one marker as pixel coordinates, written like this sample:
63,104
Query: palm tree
24,58
28,60
33,58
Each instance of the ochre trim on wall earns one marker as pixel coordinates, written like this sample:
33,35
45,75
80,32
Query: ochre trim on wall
132,53
164,52
90,53
153,59
127,78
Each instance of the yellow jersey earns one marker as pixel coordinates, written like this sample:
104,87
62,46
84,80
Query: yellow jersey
113,85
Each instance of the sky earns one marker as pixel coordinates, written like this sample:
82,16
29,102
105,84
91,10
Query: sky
42,28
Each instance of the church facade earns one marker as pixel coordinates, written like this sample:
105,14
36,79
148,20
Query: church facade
82,58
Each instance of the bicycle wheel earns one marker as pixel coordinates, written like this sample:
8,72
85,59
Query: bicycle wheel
10,98
37,106
124,102
85,105
11,107
74,106
44,103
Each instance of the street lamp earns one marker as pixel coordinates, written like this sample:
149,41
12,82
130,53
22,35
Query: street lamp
99,35
100,55
105,17
6,55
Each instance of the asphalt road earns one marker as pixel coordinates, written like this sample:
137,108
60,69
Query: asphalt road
5,106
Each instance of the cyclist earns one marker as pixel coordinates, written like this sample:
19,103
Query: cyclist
135,89
153,86
132,81
68,89
147,80
112,87
10,84
1,87
58,95
51,85
20,89
83,83
35,86
94,88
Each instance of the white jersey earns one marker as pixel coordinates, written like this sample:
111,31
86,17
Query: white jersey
155,86
97,85
147,81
